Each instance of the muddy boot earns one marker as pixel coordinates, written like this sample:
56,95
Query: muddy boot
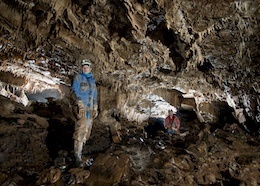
78,145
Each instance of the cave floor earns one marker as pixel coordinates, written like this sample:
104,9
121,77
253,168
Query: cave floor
37,146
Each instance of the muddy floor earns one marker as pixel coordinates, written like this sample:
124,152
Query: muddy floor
37,149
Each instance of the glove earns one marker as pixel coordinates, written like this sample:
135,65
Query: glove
82,113
80,104
81,110
95,111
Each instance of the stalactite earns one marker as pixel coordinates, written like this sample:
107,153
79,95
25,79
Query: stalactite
130,54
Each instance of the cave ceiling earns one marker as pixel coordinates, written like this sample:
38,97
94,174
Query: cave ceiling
207,50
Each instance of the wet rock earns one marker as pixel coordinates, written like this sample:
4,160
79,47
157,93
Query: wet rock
3,178
240,115
183,163
140,157
61,160
115,132
203,157
49,176
190,179
160,145
108,169
203,148
9,108
116,139
78,176
233,128
21,121
13,180
210,179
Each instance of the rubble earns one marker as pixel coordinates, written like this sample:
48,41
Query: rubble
199,154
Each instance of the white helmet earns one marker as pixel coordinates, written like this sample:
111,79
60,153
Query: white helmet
86,62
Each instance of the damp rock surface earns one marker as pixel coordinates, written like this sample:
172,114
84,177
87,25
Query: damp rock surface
201,154
172,49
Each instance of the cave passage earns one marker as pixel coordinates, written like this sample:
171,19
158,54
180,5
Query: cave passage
154,125
59,137
42,96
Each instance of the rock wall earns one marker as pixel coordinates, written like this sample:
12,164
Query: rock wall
137,47
23,135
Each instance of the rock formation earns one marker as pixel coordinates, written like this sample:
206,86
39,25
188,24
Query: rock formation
197,56
205,48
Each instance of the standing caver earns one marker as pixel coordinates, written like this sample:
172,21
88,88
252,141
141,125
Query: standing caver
85,91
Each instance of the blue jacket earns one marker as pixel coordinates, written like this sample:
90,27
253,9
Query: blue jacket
85,89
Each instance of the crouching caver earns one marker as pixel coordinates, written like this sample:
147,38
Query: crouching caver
85,92
172,123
